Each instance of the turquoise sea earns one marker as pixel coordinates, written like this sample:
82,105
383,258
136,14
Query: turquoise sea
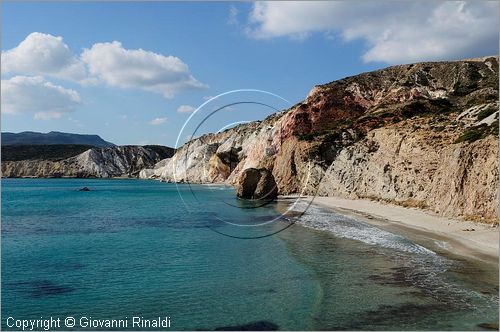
192,253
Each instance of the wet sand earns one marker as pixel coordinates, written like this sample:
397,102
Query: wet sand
458,237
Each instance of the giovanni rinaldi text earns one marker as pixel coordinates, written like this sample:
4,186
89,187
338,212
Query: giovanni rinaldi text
83,322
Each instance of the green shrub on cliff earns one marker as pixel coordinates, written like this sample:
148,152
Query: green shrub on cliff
486,113
469,136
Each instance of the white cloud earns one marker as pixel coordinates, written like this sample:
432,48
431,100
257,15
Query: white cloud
119,67
186,109
158,121
47,115
43,54
109,63
394,32
23,94
233,16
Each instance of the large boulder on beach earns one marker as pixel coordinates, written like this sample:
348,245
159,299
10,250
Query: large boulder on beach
256,183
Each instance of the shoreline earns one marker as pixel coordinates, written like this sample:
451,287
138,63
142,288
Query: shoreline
432,231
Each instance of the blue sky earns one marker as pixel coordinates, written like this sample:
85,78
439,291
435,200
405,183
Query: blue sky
171,54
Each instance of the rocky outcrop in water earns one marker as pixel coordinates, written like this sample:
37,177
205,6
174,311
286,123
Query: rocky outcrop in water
94,163
256,184
422,135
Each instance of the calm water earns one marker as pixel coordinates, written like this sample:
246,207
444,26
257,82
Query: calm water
138,248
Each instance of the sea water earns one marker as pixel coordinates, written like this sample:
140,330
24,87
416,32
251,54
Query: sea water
198,257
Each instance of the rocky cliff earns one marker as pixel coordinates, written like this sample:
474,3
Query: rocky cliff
423,135
96,162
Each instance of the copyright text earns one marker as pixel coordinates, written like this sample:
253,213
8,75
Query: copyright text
54,323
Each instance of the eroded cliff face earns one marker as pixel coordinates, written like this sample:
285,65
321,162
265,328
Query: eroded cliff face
422,135
98,162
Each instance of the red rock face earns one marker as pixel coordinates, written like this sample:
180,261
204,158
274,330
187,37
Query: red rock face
321,112
348,99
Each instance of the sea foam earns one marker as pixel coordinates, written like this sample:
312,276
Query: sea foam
350,228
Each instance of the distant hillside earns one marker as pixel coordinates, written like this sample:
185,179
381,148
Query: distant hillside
53,137
56,152
50,160
53,152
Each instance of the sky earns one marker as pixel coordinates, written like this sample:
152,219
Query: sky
148,72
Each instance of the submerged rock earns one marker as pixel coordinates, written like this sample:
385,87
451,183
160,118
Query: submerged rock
256,184
263,325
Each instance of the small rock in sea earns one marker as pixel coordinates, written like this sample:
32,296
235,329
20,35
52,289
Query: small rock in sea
84,189
489,326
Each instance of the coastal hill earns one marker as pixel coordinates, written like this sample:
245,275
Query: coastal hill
42,152
57,154
80,160
423,135
53,137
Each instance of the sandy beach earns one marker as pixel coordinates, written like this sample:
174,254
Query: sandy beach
458,237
